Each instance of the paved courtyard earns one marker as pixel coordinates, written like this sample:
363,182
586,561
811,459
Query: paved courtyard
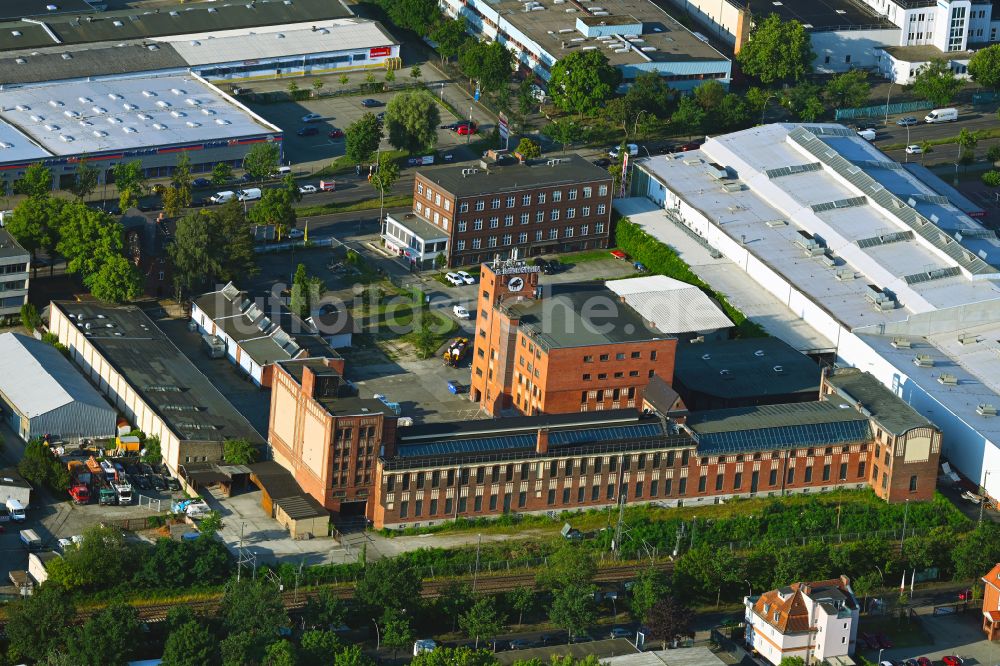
959,635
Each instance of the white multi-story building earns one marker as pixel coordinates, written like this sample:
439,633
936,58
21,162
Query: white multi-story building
814,621
883,261
894,37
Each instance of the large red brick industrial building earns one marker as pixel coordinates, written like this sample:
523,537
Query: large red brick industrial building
560,349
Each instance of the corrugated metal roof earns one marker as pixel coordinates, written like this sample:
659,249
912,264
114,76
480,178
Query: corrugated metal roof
36,378
671,305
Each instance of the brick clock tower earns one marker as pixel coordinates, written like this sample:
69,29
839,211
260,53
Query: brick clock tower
502,281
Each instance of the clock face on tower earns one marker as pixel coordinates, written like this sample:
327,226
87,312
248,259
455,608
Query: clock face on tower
515,284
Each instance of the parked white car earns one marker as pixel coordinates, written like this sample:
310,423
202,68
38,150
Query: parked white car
466,278
461,312
914,149
454,278
311,118
296,233
867,134
308,189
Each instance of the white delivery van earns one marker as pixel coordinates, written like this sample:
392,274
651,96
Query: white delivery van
422,645
282,171
942,116
222,197
632,148
250,194
15,509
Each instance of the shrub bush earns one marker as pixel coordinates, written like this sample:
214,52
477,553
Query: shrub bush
991,178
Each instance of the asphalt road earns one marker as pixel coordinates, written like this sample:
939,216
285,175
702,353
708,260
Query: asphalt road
968,118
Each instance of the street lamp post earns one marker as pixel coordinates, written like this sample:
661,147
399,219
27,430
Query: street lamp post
749,586
887,103
378,636
982,502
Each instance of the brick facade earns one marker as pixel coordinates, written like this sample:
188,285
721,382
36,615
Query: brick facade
511,370
533,219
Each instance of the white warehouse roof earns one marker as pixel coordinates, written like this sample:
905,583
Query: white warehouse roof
276,41
37,379
84,117
671,305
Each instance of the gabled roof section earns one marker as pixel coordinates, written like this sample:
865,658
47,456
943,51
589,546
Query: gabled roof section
37,378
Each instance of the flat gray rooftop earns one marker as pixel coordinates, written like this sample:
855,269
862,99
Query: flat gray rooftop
133,24
162,376
888,409
85,117
581,315
9,248
821,14
81,61
663,38
464,182
745,368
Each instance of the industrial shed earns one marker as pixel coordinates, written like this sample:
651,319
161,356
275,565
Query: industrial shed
41,393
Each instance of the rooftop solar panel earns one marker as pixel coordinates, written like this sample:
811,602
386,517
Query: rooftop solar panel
605,434
468,446
784,437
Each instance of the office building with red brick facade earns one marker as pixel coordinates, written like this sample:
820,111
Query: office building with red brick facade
552,463
473,214
556,349
326,437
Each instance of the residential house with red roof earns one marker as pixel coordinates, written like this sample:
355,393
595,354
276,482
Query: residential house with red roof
815,621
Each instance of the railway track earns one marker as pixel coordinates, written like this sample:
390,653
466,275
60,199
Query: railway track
432,588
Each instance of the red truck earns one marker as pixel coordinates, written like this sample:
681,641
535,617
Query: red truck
80,494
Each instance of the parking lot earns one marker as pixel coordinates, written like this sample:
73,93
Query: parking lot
311,152
959,634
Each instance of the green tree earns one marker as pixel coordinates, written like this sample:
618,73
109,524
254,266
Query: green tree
521,599
993,154
450,36
36,182
529,149
299,302
317,647
178,195
689,117
416,15
30,318
792,661
650,93
709,95
317,85
984,66
573,608
178,616
967,142
193,252
293,88
362,138
396,630
116,281
384,178
582,81
454,600
977,552
411,120
490,64
387,584
459,656
239,451
415,73
570,565
936,82
562,130
274,207
390,76
35,624
39,466
733,112
804,101
222,173
261,160
210,523
35,224
103,549
668,619
343,79
242,648
482,620
848,89
526,101
777,50
324,610
649,587
107,637
280,653
352,656
424,340
130,179
232,240
87,238
191,644
85,179
253,606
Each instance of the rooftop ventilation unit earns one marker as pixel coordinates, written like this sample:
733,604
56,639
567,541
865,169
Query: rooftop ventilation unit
117,24
20,61
129,130
163,104
23,107
99,133
177,91
222,121
947,379
923,361
15,33
85,123
67,56
143,116
717,171
776,223
71,114
159,126
208,112
808,243
35,118
190,101
881,299
66,138
969,338
115,121
986,409
192,123
51,128
148,93
98,109
901,343
4,145
129,107
178,114
115,96
845,274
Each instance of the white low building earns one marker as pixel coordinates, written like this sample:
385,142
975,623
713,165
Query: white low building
415,239
881,258
816,622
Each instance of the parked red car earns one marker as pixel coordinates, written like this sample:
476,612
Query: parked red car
336,134
951,660
464,129
618,254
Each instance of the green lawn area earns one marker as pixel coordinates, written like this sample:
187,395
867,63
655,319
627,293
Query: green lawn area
393,201
902,632
584,257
